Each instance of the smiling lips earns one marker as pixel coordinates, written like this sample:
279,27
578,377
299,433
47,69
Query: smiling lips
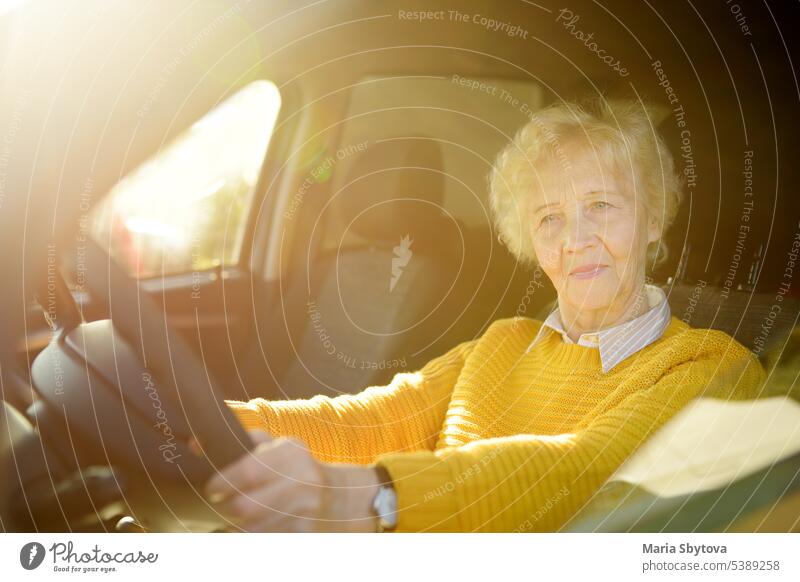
587,271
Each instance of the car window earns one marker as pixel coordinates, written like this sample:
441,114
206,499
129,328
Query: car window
185,209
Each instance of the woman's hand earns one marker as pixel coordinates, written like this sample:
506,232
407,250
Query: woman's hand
279,486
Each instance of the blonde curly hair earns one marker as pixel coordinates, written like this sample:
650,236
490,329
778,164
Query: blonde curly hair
621,133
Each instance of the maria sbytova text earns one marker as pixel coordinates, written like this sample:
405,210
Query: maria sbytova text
683,549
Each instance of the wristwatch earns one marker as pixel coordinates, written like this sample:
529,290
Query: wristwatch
385,502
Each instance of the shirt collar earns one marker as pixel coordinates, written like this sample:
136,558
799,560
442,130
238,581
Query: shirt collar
621,341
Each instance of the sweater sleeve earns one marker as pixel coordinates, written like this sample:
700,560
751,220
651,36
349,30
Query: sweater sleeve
532,482
405,415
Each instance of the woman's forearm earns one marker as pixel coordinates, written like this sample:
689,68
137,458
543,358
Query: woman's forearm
405,415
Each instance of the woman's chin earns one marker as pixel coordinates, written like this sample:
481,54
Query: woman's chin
584,296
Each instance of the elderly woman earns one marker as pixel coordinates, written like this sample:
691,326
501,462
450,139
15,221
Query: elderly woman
517,429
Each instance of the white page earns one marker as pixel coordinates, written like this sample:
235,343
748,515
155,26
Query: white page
712,442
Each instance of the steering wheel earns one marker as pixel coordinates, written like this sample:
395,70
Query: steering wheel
130,395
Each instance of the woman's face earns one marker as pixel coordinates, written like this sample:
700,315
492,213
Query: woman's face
590,233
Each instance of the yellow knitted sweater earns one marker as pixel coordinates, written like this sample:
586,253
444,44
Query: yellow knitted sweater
489,438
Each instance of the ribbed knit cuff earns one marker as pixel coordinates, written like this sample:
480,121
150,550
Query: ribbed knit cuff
250,417
424,485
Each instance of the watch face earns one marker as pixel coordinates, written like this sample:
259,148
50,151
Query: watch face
386,507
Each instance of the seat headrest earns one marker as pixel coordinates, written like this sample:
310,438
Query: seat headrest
395,188
748,317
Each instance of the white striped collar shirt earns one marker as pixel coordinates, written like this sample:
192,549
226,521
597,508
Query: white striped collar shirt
621,341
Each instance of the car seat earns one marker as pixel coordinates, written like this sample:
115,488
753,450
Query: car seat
376,294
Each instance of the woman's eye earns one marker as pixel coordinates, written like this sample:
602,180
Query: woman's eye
601,205
548,219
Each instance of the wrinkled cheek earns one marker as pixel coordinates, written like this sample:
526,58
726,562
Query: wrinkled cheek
625,239
629,252
550,261
547,256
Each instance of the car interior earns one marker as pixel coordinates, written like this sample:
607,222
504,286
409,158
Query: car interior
313,218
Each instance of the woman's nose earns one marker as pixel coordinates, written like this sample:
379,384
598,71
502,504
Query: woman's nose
580,233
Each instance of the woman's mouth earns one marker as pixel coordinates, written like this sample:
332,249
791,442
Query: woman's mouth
587,271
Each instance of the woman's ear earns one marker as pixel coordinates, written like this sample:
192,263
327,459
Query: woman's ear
653,229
